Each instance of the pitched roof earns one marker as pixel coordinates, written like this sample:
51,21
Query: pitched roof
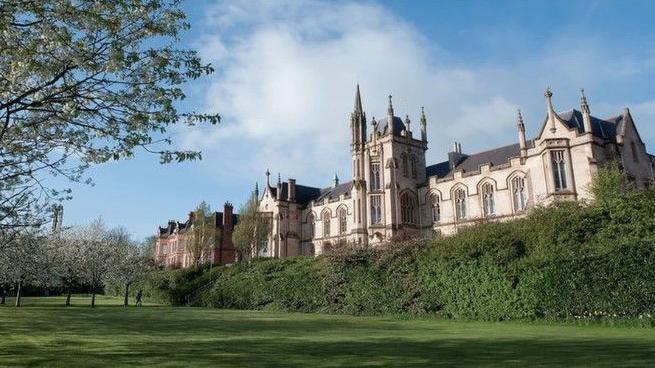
335,192
601,128
398,125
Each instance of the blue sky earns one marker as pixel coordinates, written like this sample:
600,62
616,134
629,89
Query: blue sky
286,74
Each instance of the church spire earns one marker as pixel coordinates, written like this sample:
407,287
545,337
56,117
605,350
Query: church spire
358,101
586,112
551,111
336,180
424,136
521,129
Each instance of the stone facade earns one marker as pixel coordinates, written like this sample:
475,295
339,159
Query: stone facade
171,241
393,193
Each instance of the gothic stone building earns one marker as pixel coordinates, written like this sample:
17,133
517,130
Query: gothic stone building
393,192
171,240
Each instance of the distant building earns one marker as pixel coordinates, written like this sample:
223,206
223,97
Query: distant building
171,243
394,193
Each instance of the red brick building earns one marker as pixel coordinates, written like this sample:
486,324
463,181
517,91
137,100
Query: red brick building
171,245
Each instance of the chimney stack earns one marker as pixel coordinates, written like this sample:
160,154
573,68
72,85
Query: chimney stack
291,195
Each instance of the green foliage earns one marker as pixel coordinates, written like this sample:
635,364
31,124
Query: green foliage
252,231
569,260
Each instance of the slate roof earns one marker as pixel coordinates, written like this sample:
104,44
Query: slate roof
181,226
398,125
496,156
602,128
306,194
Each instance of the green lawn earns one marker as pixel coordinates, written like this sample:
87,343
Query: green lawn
44,334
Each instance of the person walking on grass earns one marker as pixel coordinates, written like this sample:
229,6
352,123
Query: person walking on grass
139,297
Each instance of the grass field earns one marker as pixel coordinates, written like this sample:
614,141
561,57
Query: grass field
42,333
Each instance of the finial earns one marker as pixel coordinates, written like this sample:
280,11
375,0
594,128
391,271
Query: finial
279,179
390,108
584,105
422,113
520,117
336,179
548,94
268,176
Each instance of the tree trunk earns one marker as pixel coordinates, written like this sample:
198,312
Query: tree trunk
18,289
127,293
68,297
93,299
4,295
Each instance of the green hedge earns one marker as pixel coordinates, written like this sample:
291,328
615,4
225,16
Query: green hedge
569,260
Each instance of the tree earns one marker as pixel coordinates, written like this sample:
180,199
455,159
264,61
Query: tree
130,261
201,238
99,253
82,83
68,246
22,261
251,232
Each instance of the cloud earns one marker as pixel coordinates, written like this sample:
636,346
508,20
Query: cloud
286,75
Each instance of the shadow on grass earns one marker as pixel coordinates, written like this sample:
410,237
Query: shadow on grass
116,336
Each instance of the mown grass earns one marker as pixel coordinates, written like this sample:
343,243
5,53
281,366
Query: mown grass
44,334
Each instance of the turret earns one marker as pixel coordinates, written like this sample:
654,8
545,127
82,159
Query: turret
521,129
390,116
424,135
586,112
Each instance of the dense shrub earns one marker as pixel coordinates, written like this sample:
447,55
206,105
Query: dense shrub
569,260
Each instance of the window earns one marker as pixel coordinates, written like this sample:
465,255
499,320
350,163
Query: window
375,176
559,169
405,165
376,209
519,194
488,199
343,221
407,209
435,208
412,161
312,225
460,203
635,156
326,224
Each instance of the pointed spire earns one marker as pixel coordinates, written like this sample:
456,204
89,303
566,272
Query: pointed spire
358,100
583,102
521,128
586,112
336,180
268,178
424,136
279,179
551,111
256,191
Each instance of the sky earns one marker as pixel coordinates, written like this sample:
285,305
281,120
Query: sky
285,80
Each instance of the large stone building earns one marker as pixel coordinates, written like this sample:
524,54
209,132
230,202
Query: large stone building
171,241
394,193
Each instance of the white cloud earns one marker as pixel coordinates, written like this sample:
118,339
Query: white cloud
287,72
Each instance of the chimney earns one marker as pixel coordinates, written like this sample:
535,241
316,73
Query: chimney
227,217
456,156
291,189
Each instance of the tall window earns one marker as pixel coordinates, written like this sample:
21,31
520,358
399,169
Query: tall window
405,165
488,199
312,225
407,209
460,203
519,194
343,221
633,147
559,169
412,161
326,224
376,209
435,208
375,176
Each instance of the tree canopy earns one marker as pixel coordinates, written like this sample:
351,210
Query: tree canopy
85,82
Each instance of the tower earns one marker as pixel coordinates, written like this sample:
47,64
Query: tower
357,152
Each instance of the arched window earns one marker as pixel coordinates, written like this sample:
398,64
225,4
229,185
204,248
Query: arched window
407,208
519,193
435,208
375,176
326,224
376,209
460,203
412,161
488,204
312,225
405,165
343,221
633,147
559,169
